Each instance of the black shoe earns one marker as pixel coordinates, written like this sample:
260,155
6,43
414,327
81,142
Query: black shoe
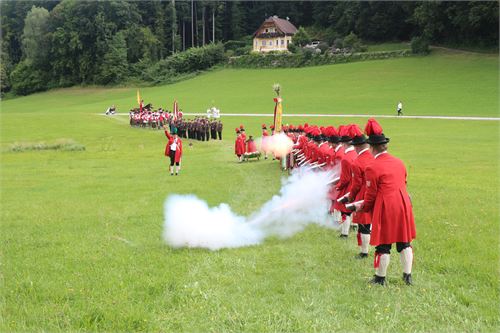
342,236
362,256
407,279
176,173
171,174
378,280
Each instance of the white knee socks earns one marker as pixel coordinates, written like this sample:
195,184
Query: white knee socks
407,259
346,225
383,264
365,243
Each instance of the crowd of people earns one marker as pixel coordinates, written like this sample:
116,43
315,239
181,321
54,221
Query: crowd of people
199,128
369,194
147,117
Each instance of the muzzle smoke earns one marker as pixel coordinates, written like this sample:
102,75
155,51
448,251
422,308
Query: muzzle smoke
190,222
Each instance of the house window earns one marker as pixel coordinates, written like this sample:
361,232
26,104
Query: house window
282,42
276,42
267,30
263,43
287,42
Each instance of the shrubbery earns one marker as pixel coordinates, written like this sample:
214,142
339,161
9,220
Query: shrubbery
192,60
301,59
26,79
420,45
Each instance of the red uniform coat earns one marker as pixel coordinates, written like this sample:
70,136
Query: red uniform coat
358,184
178,151
239,145
387,200
324,153
336,158
345,176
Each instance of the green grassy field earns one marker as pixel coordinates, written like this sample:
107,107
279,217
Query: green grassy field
81,246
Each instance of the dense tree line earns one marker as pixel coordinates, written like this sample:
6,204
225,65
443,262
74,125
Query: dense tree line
49,43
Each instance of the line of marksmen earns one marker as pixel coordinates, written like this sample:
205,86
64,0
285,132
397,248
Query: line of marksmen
369,192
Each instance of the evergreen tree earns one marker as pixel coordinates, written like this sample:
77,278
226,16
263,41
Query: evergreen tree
35,36
114,65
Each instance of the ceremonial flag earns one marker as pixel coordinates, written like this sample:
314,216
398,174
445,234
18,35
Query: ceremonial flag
278,113
176,110
138,97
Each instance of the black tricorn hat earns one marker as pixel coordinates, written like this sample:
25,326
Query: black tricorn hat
334,139
358,140
377,139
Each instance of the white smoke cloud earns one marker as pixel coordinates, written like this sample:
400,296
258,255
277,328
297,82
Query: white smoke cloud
278,144
190,222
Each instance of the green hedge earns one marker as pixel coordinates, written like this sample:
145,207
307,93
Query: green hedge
283,60
193,59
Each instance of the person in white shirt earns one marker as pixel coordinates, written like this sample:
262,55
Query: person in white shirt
173,149
400,108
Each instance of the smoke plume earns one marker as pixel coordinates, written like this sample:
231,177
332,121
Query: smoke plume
190,222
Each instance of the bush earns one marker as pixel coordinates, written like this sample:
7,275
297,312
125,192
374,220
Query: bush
243,50
308,58
26,79
352,42
293,48
301,37
420,45
323,47
191,61
234,45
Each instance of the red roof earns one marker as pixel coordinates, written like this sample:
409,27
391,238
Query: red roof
283,26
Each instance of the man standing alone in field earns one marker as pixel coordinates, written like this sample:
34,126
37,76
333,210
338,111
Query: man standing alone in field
173,149
388,202
400,108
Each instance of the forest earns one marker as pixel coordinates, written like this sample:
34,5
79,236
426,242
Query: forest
48,44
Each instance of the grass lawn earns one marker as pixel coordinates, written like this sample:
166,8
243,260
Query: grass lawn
81,246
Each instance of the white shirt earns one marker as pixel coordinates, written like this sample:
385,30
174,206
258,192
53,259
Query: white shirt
173,146
400,105
384,152
362,151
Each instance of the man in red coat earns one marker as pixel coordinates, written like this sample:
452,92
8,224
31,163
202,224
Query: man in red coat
358,187
173,149
345,179
239,145
388,202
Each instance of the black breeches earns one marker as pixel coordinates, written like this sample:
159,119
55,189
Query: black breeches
386,248
364,228
172,158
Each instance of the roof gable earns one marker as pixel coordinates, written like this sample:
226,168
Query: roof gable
282,26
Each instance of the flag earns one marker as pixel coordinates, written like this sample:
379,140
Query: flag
175,112
138,97
278,113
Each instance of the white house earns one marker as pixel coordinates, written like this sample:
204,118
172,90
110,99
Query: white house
273,35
